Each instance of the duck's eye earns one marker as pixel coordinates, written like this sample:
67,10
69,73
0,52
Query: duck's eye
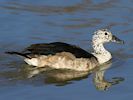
106,33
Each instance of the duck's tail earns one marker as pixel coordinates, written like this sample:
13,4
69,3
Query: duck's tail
17,53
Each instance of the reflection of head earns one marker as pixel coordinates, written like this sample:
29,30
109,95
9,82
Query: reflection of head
100,82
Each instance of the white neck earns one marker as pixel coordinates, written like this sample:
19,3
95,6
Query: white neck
101,53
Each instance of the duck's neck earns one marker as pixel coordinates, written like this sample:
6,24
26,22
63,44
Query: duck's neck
99,48
101,53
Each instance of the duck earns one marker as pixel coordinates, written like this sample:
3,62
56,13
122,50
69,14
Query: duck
60,55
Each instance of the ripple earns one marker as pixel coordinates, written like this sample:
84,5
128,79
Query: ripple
47,9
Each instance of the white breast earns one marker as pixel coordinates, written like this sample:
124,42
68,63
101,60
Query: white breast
102,58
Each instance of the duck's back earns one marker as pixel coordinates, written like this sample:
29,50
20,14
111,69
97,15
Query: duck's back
56,47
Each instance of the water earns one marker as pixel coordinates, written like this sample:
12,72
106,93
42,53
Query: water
24,22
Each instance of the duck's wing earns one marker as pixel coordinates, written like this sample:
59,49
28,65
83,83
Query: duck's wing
56,47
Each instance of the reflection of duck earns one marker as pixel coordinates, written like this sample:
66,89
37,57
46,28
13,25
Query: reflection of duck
34,76
63,77
99,80
65,56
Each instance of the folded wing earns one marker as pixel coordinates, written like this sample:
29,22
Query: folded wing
56,47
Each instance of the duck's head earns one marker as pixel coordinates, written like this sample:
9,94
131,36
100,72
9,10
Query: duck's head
103,36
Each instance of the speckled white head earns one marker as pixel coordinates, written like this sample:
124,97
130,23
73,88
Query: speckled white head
104,36
99,38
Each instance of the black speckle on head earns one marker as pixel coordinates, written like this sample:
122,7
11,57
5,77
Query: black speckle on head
104,29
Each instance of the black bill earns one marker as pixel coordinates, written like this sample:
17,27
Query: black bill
117,40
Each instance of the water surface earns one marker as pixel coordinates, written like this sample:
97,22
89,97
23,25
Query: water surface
24,22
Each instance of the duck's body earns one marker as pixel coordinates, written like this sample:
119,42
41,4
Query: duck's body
60,55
